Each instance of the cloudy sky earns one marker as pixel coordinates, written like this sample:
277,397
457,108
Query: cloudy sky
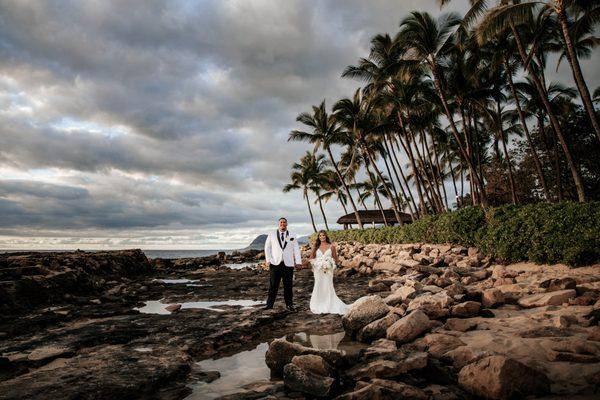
163,124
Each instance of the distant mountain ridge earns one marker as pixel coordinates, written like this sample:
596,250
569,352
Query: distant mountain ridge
259,242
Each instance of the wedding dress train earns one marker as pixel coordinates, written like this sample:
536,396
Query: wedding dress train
323,299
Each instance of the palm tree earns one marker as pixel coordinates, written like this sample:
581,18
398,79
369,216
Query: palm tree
429,41
510,64
331,187
587,13
375,187
325,133
356,117
302,179
508,17
319,177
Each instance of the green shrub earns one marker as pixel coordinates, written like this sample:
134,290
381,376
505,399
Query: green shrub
564,232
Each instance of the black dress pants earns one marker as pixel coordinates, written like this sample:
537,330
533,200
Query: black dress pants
279,272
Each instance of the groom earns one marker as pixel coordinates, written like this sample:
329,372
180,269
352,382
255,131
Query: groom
282,254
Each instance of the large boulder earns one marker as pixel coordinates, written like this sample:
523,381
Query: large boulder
434,305
401,294
307,382
409,327
437,344
313,363
281,352
555,298
492,298
499,377
465,310
377,329
387,267
364,310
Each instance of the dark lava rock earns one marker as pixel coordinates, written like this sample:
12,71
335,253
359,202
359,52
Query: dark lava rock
307,382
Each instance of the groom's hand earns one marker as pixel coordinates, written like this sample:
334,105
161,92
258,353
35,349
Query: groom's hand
298,267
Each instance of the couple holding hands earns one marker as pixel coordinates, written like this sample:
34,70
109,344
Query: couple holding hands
282,254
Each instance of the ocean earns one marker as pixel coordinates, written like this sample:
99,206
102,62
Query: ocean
148,253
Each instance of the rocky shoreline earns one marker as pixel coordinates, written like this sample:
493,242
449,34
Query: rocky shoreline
439,322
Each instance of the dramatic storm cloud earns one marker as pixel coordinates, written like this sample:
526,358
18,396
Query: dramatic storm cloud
157,123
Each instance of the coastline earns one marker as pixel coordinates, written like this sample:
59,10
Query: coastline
77,311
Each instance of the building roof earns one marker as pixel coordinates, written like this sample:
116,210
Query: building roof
370,216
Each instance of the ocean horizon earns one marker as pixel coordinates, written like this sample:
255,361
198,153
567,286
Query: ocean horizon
148,253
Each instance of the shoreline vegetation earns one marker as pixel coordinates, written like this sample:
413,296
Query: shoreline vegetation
459,111
566,232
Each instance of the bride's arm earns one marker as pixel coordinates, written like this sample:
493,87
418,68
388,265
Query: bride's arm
313,253
334,254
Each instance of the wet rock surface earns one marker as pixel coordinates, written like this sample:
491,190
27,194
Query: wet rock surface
432,322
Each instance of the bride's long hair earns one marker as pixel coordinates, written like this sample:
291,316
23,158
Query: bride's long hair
318,242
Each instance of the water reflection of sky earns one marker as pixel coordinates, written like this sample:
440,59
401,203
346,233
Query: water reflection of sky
236,371
249,366
157,307
175,281
240,265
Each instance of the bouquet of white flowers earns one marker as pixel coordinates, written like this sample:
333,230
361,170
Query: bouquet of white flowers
324,264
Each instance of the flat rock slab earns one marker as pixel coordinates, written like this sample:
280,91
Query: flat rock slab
499,377
555,298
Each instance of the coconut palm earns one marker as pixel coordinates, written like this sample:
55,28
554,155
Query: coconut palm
509,16
317,164
375,187
301,179
357,117
325,133
429,41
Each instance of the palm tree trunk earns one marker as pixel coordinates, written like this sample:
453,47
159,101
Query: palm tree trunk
380,175
553,119
433,197
342,203
553,155
414,210
454,129
396,198
390,150
584,92
435,174
341,178
474,150
536,159
312,218
360,198
375,194
411,158
452,175
322,211
439,171
462,184
511,179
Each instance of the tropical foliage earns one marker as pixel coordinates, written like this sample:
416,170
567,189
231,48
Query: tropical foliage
457,111
566,232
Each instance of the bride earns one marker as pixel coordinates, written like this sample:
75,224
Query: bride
323,259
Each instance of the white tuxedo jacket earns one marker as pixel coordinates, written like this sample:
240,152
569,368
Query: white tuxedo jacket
288,250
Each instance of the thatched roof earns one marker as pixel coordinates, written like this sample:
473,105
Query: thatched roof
370,216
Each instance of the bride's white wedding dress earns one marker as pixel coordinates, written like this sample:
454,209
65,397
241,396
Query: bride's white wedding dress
323,299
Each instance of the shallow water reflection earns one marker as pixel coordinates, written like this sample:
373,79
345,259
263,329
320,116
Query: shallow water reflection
246,367
240,265
176,281
158,307
236,371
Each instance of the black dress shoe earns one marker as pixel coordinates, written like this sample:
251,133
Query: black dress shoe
268,308
291,308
